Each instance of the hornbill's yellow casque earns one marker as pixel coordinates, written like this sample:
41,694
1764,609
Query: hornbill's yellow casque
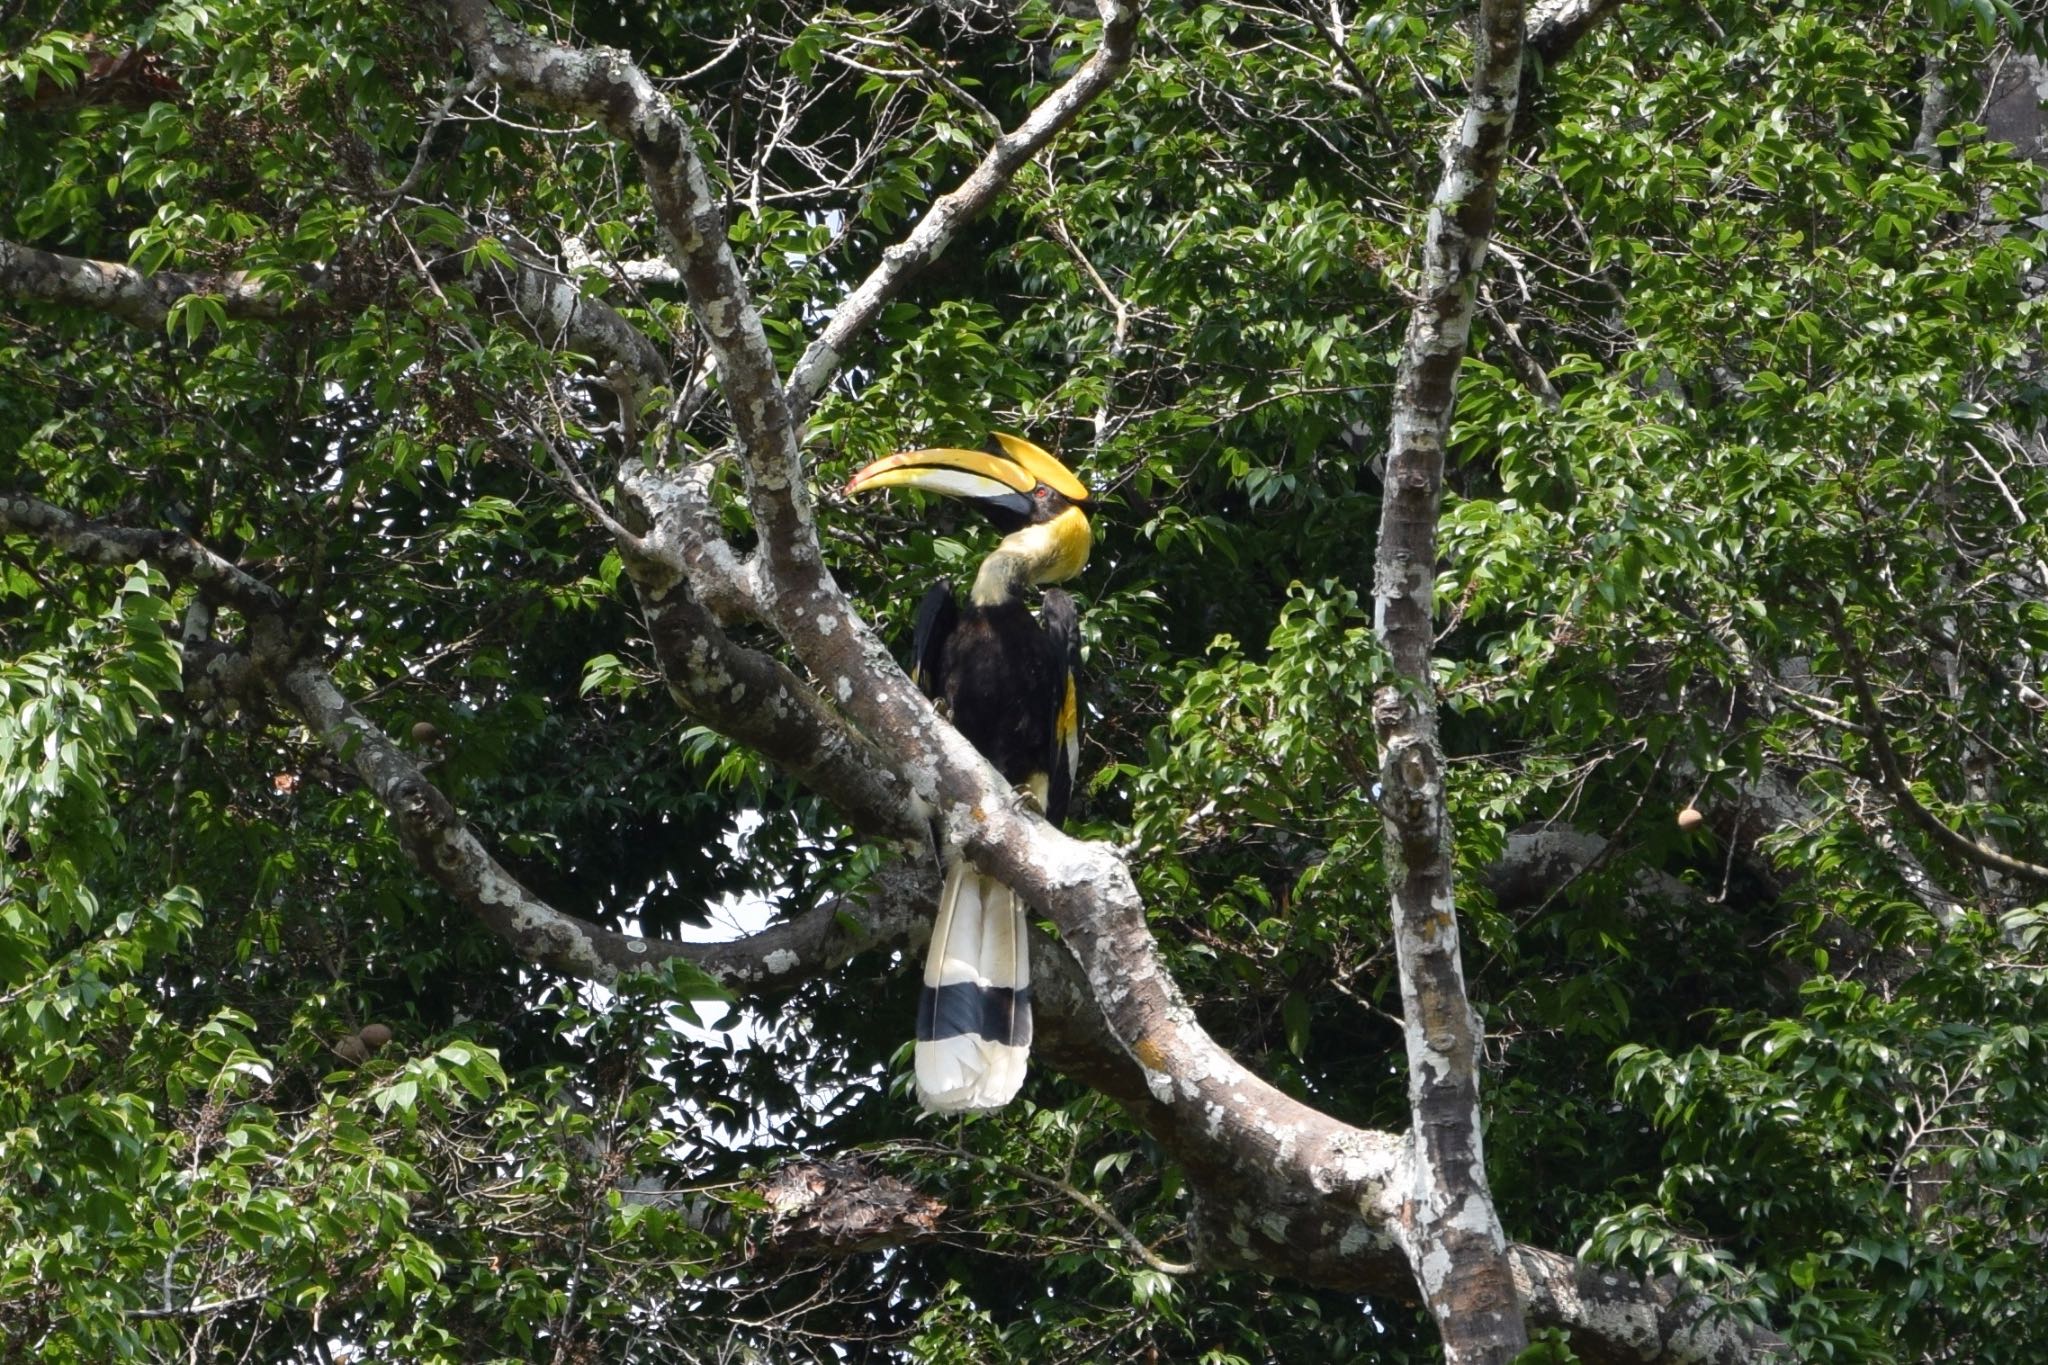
1007,683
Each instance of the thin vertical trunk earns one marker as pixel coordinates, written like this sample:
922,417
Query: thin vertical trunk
1450,1231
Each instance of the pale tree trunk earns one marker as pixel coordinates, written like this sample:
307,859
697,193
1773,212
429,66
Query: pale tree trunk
1448,1225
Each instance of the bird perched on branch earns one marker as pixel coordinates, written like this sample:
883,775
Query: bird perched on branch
1006,680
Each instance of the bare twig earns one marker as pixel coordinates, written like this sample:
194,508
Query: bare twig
950,212
1090,1203
1893,778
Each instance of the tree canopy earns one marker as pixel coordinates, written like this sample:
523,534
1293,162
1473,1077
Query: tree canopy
463,861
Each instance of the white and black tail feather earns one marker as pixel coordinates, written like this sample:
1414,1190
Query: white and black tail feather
974,1012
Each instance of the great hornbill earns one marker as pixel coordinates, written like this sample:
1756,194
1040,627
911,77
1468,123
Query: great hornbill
1006,681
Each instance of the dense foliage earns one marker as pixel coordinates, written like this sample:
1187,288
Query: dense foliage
1746,518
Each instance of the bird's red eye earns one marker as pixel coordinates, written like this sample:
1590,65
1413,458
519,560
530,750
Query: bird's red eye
1041,492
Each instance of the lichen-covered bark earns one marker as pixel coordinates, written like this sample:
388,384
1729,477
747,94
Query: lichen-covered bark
122,290
543,303
1447,1221
749,697
447,850
1555,26
1541,860
93,542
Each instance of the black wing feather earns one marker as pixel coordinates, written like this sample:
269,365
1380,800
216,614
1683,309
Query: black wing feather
936,617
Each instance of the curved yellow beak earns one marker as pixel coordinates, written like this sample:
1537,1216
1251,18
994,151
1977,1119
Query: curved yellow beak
972,473
1040,462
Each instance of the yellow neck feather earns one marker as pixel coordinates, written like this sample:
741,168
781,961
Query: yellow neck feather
1050,552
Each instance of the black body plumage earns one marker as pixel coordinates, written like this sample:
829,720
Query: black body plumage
1003,677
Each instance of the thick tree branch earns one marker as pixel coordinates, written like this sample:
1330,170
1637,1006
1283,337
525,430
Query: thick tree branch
1451,1232
446,849
97,542
684,533
218,679
547,305
1253,1215
804,603
1618,1319
1542,860
751,698
604,85
950,212
127,293
744,694
540,300
896,910
1556,26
